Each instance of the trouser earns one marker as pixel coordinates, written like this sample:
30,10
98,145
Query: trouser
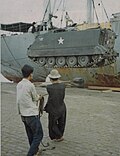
56,125
34,132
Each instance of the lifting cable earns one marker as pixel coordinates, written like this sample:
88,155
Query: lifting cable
95,11
105,11
46,11
62,12
53,7
58,6
58,9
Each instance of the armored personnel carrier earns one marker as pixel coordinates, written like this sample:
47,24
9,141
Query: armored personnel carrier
92,47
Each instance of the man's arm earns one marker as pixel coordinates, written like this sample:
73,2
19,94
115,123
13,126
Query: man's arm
35,96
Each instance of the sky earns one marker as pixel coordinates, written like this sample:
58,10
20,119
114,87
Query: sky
32,10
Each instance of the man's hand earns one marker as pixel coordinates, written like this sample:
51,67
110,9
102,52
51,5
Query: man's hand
40,97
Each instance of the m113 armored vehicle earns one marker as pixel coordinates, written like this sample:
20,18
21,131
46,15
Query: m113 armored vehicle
69,47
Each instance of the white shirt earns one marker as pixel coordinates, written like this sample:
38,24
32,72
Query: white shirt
27,98
30,29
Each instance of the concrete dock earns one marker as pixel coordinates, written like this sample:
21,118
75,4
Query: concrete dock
92,128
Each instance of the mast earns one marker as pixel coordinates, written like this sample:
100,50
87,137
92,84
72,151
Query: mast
90,11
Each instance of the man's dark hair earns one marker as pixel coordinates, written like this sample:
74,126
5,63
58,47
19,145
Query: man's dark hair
26,70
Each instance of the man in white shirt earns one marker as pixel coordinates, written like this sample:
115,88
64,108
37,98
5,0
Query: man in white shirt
27,98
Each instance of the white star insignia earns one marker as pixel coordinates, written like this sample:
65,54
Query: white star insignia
60,40
41,39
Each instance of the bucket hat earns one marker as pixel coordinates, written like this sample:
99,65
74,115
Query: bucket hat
54,74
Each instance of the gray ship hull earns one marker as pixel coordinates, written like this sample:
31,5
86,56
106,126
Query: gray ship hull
14,56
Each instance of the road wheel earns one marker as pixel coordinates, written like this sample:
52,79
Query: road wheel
51,61
41,61
71,61
83,61
60,61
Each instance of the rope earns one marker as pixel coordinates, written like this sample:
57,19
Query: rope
44,144
41,105
41,108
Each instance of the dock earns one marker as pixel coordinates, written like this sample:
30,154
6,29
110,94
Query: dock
92,127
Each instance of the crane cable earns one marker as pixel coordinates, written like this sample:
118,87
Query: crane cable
62,12
45,11
58,6
95,11
52,11
105,11
53,7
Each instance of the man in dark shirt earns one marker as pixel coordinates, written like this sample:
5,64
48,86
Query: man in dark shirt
55,107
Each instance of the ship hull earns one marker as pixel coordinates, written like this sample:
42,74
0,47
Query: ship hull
14,56
102,76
